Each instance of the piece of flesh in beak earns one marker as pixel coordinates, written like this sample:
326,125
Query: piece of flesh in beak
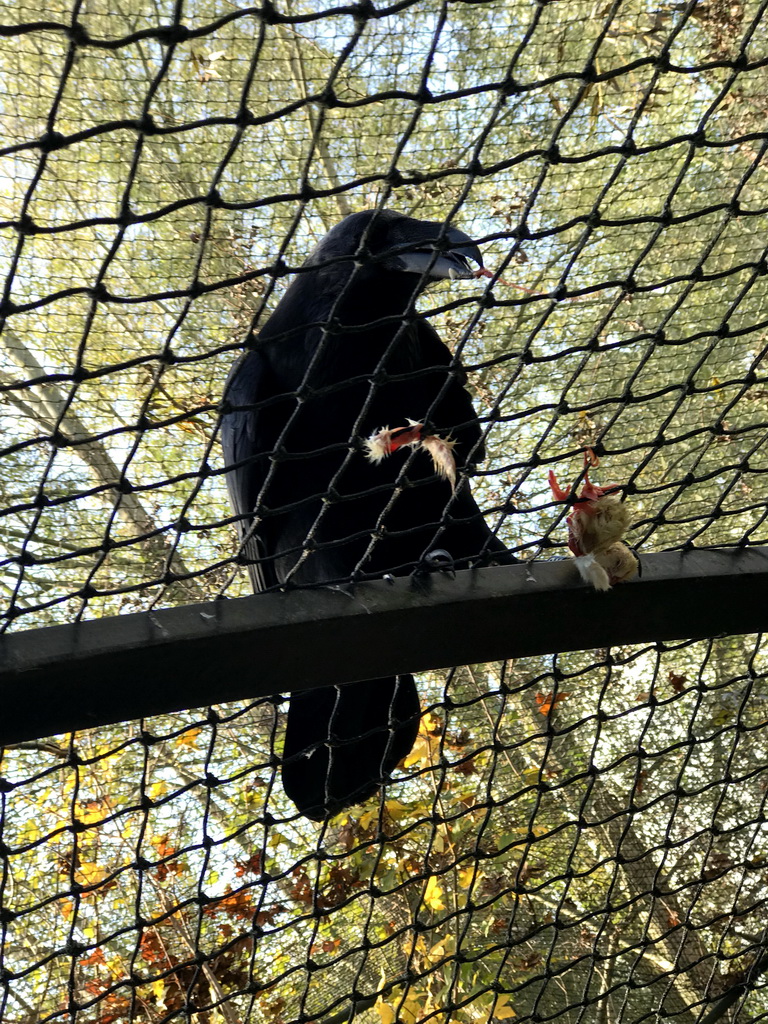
386,441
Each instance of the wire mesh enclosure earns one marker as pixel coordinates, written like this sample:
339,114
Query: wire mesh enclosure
572,837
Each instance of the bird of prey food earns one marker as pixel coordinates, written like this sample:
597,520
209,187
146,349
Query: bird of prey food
596,527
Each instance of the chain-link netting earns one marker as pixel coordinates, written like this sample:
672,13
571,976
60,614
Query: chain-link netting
579,837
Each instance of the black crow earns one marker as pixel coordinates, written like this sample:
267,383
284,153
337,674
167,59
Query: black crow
343,356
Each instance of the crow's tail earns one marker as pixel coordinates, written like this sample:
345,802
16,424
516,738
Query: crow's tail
343,742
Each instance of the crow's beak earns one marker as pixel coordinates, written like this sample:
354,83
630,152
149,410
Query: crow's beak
449,259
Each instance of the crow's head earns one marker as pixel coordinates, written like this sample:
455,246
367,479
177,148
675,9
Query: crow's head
425,248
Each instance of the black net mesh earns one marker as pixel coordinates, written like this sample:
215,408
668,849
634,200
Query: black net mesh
577,838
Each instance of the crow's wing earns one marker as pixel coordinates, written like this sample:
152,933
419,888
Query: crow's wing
246,451
468,538
453,410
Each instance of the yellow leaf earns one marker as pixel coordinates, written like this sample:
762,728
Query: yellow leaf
427,742
433,894
386,1011
436,953
466,875
158,989
91,874
410,1011
367,818
157,790
396,809
502,1009
419,752
30,832
188,737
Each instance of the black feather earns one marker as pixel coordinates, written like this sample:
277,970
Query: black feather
343,355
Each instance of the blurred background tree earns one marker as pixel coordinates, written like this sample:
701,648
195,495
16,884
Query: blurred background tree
576,836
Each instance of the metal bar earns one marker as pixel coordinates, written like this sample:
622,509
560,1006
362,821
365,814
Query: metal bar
62,678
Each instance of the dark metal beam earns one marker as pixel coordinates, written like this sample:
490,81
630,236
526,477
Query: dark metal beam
62,678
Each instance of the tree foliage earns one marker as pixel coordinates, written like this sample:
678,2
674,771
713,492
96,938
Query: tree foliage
578,836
